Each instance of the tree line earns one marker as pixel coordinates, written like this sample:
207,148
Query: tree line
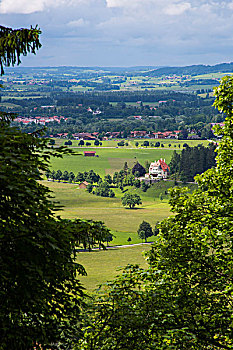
192,161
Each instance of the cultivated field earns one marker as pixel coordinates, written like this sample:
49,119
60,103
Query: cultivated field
174,143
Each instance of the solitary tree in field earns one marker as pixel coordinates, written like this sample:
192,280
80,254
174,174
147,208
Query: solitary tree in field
145,230
131,200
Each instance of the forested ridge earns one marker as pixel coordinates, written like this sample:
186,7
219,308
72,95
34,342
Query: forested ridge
192,70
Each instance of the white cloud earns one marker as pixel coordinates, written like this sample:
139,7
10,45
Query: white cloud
121,3
21,6
177,9
31,6
78,23
230,5
134,31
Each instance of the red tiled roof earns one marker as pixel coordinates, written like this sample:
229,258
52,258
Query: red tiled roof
164,165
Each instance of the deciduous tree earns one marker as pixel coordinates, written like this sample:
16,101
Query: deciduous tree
145,230
131,200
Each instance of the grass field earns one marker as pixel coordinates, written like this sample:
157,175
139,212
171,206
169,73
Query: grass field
101,266
123,222
109,160
113,143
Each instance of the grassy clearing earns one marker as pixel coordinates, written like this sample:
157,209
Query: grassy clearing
123,222
109,160
101,266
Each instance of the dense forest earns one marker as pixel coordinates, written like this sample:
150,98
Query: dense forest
192,161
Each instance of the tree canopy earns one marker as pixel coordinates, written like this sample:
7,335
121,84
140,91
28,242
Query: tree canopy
145,230
192,161
17,42
138,169
131,200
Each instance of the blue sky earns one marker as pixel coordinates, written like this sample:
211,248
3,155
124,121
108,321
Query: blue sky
125,32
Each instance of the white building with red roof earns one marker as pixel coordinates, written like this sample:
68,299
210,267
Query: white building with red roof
159,169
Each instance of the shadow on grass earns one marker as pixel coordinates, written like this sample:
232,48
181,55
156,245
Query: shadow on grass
94,250
135,208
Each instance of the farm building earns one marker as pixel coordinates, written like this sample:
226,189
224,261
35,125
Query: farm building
89,153
83,184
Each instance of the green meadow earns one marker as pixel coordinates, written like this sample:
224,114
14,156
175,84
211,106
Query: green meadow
112,158
123,222
109,160
102,266
174,143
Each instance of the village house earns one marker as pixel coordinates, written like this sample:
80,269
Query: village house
167,134
158,170
139,133
113,134
84,136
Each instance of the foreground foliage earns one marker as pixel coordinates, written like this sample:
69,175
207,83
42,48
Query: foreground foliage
184,300
40,295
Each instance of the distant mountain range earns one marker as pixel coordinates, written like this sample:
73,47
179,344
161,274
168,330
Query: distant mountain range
191,70
153,71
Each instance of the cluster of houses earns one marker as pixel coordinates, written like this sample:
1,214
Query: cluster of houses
156,135
98,111
39,120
